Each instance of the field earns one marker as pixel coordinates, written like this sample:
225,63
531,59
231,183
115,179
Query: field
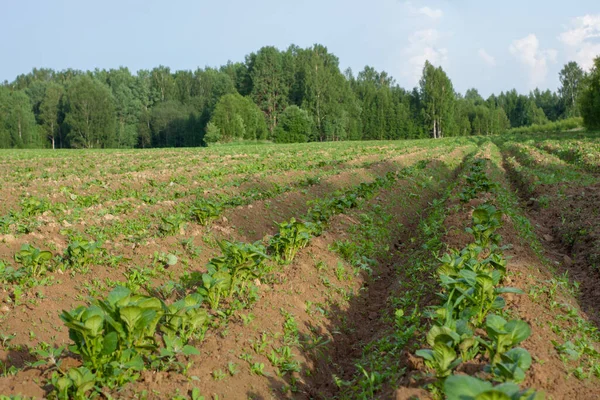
350,270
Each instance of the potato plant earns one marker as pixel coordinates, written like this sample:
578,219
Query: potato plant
204,211
80,254
292,236
503,335
464,387
34,260
117,337
471,279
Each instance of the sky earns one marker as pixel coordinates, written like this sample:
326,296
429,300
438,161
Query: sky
489,45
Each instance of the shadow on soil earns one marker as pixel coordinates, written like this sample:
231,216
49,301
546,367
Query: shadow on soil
569,229
361,322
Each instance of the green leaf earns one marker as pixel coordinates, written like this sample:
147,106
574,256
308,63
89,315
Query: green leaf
509,290
509,388
117,294
463,387
519,356
442,334
499,303
130,315
136,364
519,330
110,343
171,259
492,395
94,324
445,356
190,350
45,256
425,354
495,323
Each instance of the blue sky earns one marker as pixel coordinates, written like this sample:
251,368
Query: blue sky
492,46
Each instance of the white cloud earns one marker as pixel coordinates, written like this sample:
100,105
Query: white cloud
433,13
583,39
423,45
527,51
487,58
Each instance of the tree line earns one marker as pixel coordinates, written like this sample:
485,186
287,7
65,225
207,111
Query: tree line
294,95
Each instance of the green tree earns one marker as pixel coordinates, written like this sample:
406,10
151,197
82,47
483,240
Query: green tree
213,133
462,109
269,86
379,104
239,118
162,84
473,96
589,98
514,105
295,126
210,86
240,76
50,109
128,105
500,122
324,92
549,102
5,141
437,96
534,114
20,129
571,77
90,113
144,129
170,124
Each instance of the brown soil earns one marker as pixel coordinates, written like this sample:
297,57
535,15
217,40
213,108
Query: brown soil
548,374
346,314
365,313
569,226
246,223
300,283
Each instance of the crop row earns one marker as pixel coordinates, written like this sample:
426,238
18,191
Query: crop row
75,205
198,165
581,154
545,168
472,303
119,336
94,185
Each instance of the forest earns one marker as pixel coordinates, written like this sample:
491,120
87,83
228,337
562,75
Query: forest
295,95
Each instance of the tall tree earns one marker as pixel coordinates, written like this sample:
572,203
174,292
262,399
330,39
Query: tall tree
378,103
571,77
50,109
473,96
90,113
326,94
238,117
19,121
589,99
170,124
534,114
438,99
5,141
269,87
240,76
212,84
128,105
295,126
549,102
162,84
